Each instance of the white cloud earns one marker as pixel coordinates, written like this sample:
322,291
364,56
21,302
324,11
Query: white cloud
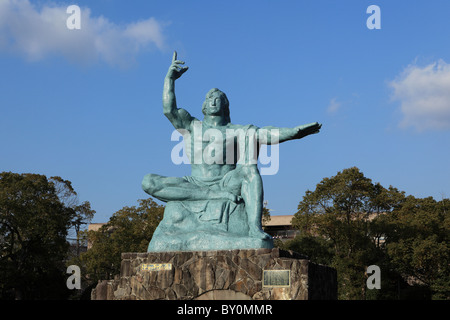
333,106
37,33
424,94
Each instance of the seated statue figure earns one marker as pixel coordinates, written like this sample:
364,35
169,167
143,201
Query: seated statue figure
218,207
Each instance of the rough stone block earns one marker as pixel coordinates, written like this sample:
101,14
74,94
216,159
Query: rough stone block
227,274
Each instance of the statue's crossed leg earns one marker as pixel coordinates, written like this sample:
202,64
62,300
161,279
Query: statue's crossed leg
243,183
180,189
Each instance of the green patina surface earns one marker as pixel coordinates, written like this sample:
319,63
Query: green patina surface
219,206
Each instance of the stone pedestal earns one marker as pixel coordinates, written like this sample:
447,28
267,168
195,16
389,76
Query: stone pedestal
219,275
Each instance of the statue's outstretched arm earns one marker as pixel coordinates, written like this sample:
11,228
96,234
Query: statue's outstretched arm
180,118
274,135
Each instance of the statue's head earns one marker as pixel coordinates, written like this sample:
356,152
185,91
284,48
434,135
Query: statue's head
216,103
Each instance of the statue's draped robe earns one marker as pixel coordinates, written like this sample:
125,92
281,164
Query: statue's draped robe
206,224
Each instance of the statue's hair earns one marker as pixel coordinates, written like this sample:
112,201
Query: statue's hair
224,98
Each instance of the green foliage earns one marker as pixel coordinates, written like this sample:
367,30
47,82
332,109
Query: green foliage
349,222
318,249
128,230
417,242
36,213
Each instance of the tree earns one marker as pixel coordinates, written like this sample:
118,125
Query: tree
349,222
338,215
417,242
82,213
317,249
128,230
265,218
34,222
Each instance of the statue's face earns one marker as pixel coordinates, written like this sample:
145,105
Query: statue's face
214,104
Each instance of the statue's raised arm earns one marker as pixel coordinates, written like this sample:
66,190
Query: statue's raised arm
179,118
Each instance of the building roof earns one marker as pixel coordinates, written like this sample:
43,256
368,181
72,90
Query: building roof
281,220
95,226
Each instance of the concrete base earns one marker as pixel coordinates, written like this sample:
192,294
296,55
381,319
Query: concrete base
217,275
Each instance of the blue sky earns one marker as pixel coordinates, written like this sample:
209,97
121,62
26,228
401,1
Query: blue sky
86,104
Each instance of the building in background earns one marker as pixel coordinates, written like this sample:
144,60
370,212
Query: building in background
280,227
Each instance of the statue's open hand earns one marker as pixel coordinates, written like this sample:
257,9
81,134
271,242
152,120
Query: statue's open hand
306,129
175,69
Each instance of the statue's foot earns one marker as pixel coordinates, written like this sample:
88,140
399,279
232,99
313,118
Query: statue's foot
255,232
